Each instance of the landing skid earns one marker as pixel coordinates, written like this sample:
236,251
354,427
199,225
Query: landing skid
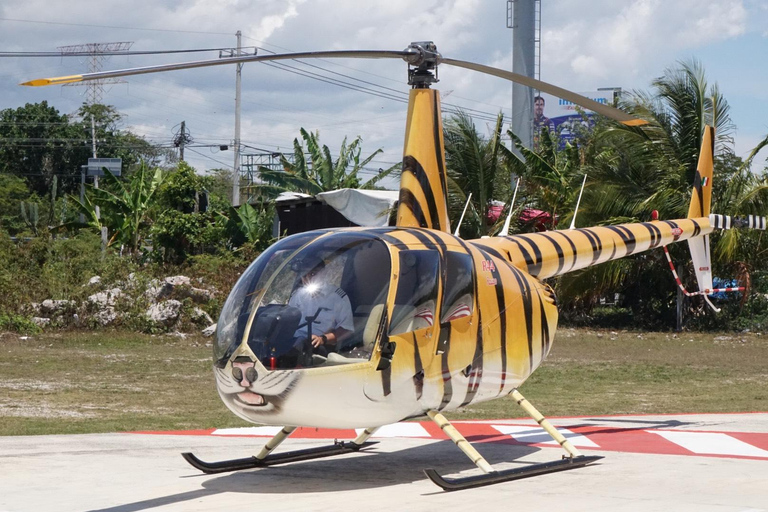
265,458
573,460
495,477
224,466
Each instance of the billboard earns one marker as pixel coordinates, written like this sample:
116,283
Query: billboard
562,116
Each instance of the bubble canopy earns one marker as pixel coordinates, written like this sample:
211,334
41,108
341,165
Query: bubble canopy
309,300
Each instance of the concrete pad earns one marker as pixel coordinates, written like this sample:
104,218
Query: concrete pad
135,472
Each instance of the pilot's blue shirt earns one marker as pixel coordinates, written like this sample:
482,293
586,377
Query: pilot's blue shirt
335,309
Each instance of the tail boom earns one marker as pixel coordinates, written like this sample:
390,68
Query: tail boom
553,253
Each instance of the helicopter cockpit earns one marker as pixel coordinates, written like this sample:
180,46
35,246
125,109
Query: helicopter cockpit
309,300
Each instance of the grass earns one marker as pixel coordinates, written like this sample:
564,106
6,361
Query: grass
76,382
609,372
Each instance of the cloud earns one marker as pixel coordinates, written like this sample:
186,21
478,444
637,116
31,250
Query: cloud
584,45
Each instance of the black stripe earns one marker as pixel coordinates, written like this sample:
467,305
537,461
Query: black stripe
573,248
418,369
629,240
696,228
501,304
533,268
437,123
699,192
447,385
476,374
396,242
408,200
410,164
558,250
536,253
655,234
594,240
544,329
423,238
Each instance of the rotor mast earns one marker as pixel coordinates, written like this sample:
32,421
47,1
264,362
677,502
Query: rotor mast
423,197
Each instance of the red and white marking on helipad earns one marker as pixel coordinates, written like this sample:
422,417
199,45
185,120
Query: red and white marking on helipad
738,445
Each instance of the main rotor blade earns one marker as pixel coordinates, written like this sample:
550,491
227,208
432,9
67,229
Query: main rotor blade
344,54
554,90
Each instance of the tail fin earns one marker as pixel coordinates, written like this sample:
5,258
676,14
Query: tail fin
701,200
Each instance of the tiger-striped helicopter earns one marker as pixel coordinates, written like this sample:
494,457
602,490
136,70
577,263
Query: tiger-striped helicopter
360,328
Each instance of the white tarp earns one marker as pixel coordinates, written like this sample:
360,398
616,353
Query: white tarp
363,207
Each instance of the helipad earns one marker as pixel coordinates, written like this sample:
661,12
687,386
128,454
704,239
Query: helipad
682,462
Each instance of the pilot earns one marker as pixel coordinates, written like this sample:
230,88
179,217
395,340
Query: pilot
325,308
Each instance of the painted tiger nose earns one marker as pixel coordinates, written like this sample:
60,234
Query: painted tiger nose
245,378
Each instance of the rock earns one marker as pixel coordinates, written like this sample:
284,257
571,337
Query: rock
40,321
33,309
157,290
200,316
178,281
94,281
198,295
165,313
51,307
105,316
209,331
105,299
179,286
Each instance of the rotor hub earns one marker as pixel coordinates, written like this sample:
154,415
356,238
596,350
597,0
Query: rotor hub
422,58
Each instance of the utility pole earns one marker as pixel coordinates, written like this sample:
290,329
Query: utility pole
96,176
181,142
236,177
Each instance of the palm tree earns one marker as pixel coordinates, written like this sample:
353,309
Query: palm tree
639,169
474,165
551,176
321,173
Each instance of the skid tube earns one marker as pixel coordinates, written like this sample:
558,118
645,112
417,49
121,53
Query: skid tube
265,459
573,460
506,475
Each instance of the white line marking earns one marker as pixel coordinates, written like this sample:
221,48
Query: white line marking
399,430
536,435
247,431
709,443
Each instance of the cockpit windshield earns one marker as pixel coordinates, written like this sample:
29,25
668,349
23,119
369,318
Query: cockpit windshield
313,301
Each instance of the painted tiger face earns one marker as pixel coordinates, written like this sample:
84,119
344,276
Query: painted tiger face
250,391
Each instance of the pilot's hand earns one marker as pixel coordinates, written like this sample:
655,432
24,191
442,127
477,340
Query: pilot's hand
317,341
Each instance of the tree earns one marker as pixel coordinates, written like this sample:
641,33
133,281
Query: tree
38,143
474,166
186,222
125,205
321,173
636,170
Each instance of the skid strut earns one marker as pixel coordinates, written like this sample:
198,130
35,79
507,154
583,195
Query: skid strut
492,476
264,459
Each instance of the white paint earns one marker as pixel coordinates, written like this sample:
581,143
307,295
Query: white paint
399,430
711,443
248,431
536,435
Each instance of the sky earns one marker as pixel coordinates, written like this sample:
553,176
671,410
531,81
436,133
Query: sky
584,46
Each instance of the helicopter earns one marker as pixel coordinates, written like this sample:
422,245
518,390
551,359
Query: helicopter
431,322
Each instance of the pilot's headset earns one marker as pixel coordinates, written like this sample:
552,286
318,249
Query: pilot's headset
309,265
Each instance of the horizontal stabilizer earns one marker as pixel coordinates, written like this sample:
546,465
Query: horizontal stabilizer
728,222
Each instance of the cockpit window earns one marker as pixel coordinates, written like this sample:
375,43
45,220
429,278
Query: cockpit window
317,302
458,295
237,308
416,297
